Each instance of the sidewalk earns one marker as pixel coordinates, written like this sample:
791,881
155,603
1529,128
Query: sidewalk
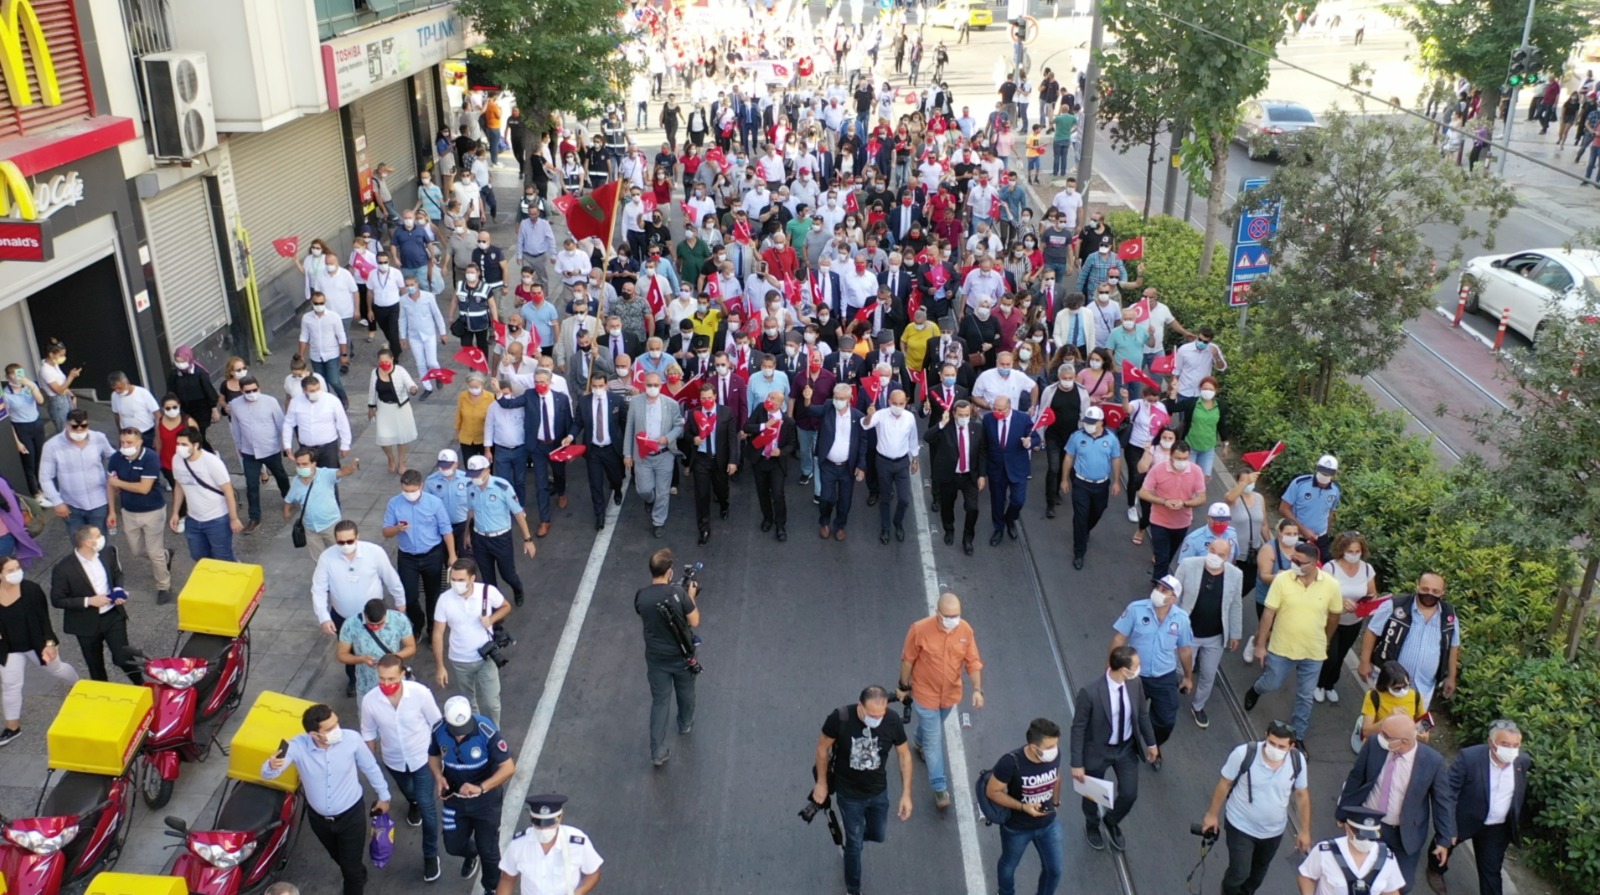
1551,194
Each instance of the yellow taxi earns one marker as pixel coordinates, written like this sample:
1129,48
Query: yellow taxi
952,13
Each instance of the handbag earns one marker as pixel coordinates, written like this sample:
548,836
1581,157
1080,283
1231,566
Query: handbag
458,327
297,532
976,358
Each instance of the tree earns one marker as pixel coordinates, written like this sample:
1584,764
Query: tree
1351,256
1136,95
553,55
1475,38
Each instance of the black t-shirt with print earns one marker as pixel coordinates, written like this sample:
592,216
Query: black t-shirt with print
859,752
1031,783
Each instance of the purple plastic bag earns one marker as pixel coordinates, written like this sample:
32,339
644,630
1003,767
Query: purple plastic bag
382,848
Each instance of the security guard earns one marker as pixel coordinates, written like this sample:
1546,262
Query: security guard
451,487
555,860
471,763
491,506
1357,863
1092,472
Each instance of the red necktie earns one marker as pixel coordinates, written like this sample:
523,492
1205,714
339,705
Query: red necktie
961,438
949,398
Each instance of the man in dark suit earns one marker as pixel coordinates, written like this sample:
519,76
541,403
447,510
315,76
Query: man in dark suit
617,341
900,280
1489,783
769,461
713,455
956,450
730,388
814,386
900,377
944,390
827,165
81,586
942,348
1009,437
547,426
599,421
840,456
585,359
1407,781
843,364
903,217
1110,725
828,285
698,364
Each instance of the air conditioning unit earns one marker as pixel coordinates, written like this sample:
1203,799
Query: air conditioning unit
177,88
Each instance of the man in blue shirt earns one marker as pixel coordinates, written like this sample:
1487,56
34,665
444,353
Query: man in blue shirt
316,488
1219,526
410,243
1092,473
472,763
451,487
426,546
539,315
133,476
492,507
1158,628
1311,500
328,757
535,242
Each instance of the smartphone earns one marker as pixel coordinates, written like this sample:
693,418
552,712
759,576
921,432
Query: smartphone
283,749
1425,723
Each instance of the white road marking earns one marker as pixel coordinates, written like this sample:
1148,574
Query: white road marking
955,750
511,811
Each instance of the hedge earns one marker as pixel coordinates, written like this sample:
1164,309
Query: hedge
1418,517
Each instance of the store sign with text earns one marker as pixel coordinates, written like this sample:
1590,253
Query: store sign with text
40,198
368,60
25,241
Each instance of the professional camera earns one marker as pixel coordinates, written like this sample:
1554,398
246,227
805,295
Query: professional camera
809,812
691,575
1207,836
499,640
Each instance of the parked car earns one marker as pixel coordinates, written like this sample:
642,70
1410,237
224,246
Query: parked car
1275,127
1533,284
951,13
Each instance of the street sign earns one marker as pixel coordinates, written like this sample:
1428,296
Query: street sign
1251,260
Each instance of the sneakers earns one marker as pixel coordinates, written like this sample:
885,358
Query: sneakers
469,867
1333,696
163,597
941,799
1201,719
430,869
8,734
1251,697
1097,839
1133,515
1114,833
1249,650
414,815
1319,694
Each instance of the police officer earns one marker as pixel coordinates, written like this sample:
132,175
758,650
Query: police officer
1357,863
1159,629
555,860
491,507
471,763
1093,463
447,484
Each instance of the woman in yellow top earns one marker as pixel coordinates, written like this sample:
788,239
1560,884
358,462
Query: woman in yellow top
1393,695
1036,140
914,340
472,411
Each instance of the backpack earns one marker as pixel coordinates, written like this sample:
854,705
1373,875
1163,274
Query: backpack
993,814
1244,771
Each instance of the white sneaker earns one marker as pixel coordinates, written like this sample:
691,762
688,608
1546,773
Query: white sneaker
1320,695
1250,649
1133,515
1333,696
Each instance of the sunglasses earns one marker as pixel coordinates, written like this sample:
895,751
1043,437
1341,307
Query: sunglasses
252,391
173,407
78,426
344,543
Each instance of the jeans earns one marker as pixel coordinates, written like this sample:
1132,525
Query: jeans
667,679
480,683
1014,844
329,371
808,459
1305,671
864,820
1249,859
1164,543
418,788
210,539
252,480
836,486
1205,460
1058,163
929,737
78,518
511,464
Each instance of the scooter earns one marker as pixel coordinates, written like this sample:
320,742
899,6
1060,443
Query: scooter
254,835
196,692
78,829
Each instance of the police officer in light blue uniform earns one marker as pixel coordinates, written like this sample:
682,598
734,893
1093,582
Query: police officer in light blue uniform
1310,500
1092,472
1219,527
450,486
492,508
470,758
1159,629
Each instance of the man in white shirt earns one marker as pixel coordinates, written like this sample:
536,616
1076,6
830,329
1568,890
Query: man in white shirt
1003,381
132,406
897,449
633,215
832,212
858,286
320,424
339,285
324,345
770,168
399,715
1195,361
984,242
468,613
572,266
756,200
200,480
1069,202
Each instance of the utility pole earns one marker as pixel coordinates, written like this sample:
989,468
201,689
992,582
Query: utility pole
1169,197
1511,106
1091,101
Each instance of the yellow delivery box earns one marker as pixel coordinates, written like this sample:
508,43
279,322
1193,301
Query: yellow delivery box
100,727
220,597
273,719
136,884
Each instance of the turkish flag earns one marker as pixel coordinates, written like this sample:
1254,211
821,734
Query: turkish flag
1368,605
1141,310
473,358
1114,416
715,154
288,247
850,203
439,375
658,303
741,230
938,275
360,264
1046,419
1130,373
994,208
865,314
769,434
1159,418
689,215
705,422
647,446
1165,364
920,377
570,452
593,216
1131,249
791,291
914,302
636,379
499,332
873,387
1258,460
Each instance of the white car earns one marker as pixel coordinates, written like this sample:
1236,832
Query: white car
1532,284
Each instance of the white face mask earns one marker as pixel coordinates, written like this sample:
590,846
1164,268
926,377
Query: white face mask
811,338
474,390
252,397
1288,540
1025,354
1207,394
1180,465
171,413
1506,754
949,622
1399,692
313,396
1129,325
1048,755
412,496
98,544
841,404
183,365
1159,598
1352,556
871,722
1385,744
655,354
983,313
652,390
14,577
130,452
241,373
1323,478
1274,753
1096,364
185,451
348,549
461,587
1360,846
1213,561
334,737
546,835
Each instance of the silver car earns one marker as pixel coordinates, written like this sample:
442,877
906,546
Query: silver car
1274,127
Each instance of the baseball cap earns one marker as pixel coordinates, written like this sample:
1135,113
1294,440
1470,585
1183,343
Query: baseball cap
478,462
1094,413
447,457
458,712
1170,582
1328,463
1219,510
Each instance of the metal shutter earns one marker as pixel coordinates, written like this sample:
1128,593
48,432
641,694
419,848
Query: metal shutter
291,181
387,115
183,249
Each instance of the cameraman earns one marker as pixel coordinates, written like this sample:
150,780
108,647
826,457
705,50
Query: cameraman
469,612
1257,781
666,653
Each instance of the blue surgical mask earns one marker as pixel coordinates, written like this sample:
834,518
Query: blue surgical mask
950,381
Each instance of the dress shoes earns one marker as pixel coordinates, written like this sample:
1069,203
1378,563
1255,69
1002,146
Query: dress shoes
884,535
705,535
899,533
766,525
966,544
999,535
544,529
1011,529
949,537
783,534
824,532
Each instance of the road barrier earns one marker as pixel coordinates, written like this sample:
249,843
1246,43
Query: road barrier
1461,306
1500,334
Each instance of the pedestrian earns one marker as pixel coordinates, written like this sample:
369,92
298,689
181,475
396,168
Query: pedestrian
471,766
1195,362
475,307
348,576
895,442
389,392
57,379
557,859
1311,501
257,428
713,456
320,426
472,413
470,612
1009,439
426,545
1111,732
1027,782
1275,558
368,636
23,400
1354,862
1408,783
1161,632
86,585
400,714
1357,583
422,331
957,451
937,649
851,749
1422,632
132,405
72,473
203,486
134,482
316,491
493,507
1391,694
192,384
1173,488
327,760
1219,526
1248,509
547,427
1211,586
1301,615
1489,786
1092,461
650,447
451,488
599,418
1273,772
26,636
669,612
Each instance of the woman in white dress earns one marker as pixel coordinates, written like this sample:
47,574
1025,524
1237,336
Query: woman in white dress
389,392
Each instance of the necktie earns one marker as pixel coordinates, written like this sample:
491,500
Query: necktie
600,421
961,439
1127,717
949,398
545,412
894,284
1003,421
1386,783
722,391
616,346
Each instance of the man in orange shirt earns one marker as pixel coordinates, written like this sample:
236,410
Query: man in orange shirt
937,649
493,119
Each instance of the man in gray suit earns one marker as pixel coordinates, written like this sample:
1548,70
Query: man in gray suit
660,420
1404,779
1110,723
1211,595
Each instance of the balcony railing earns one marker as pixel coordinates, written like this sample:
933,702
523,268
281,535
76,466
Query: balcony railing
149,26
335,17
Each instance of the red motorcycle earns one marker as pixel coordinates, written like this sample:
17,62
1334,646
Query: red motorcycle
196,692
252,842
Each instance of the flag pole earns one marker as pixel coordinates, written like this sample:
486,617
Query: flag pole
611,229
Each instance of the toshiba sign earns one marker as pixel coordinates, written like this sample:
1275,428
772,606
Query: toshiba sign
25,241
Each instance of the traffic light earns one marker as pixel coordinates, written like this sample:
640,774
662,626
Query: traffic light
1535,65
1520,73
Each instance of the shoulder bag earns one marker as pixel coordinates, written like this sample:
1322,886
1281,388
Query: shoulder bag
297,532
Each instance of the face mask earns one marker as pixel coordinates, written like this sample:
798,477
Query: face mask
304,471
1129,325
389,689
1092,428
896,410
1323,478
546,835
652,390
1167,443
1049,755
722,369
871,722
483,245
655,354
1159,598
1218,527
412,496
461,230
1385,743
791,350
1274,753
1180,465
14,577
1360,846
383,266
181,365
348,549
313,397
99,544
131,452
385,365
1102,297
461,587
319,309
474,390
316,253
1206,394
1250,488
1399,692
334,737
1096,364
184,450
1025,355
1506,754
1288,540
1213,561
1428,600
811,338
983,313
472,278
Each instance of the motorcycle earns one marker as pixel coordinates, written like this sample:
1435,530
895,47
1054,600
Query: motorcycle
252,840
196,692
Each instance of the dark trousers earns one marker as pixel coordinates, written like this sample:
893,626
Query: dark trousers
32,437
539,453
1489,848
113,635
1123,761
338,625
666,679
894,481
1164,543
1089,500
511,464
770,476
838,487
389,322
468,451
327,454
1406,860
478,339
1054,452
1248,861
1162,692
872,462
273,463
1006,497
1344,637
864,820
421,575
605,475
496,553
965,485
472,827
1131,455
344,837
710,480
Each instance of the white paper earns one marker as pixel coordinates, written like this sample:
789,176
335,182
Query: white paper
1097,790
